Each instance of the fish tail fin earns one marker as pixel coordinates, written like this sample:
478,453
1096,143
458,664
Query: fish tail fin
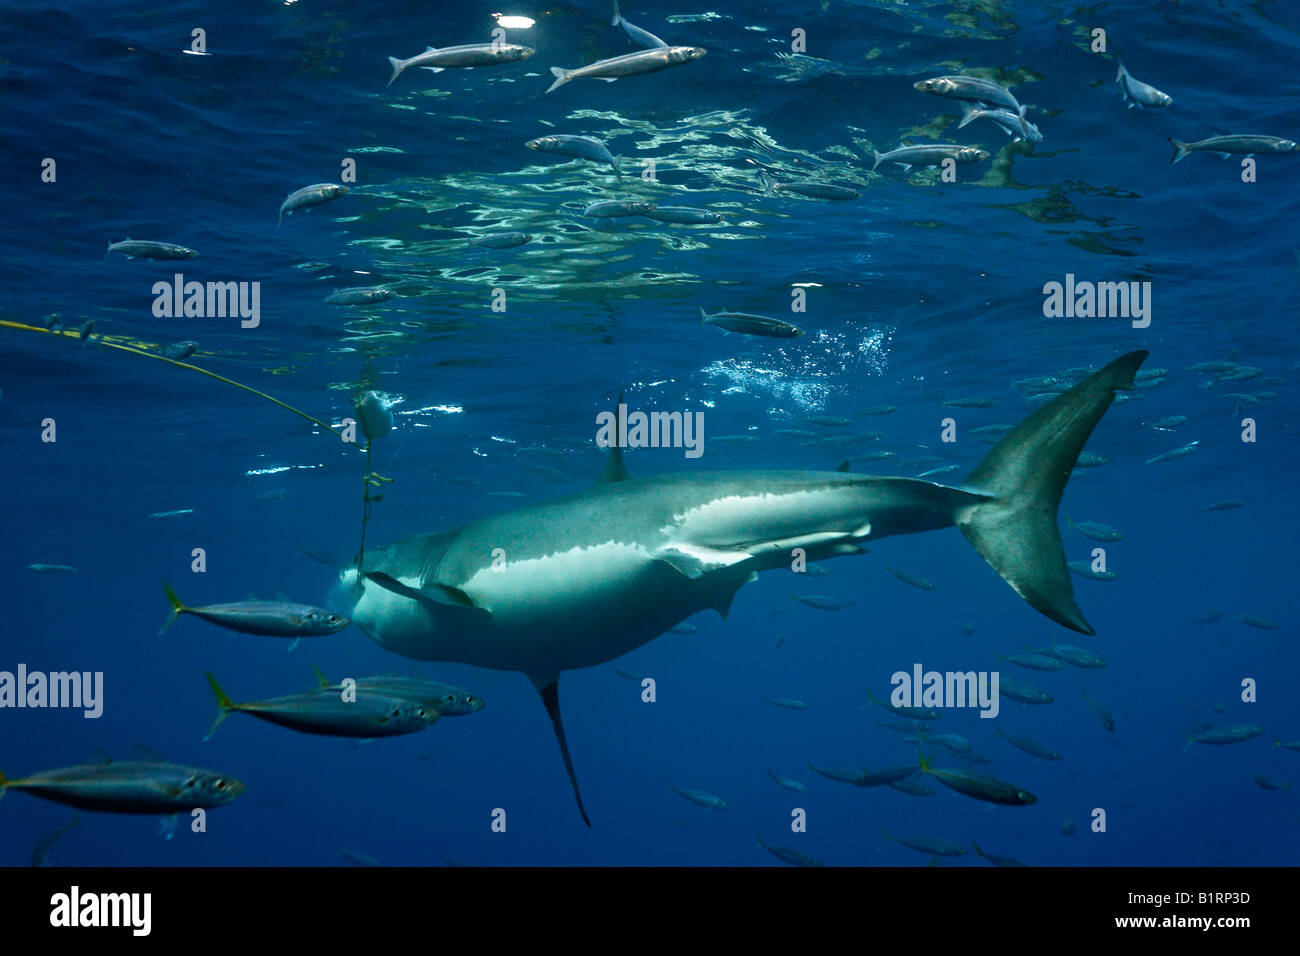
921,759
321,679
1119,74
549,688
764,181
617,168
977,848
396,64
886,833
561,75
177,607
617,15
109,251
876,155
703,315
1180,149
225,705
968,112
1025,473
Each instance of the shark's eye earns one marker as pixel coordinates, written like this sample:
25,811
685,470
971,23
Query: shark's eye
219,784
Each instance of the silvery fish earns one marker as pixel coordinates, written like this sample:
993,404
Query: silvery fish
838,774
271,618
980,787
1232,734
683,215
629,64
1022,692
465,55
310,196
1180,452
130,787
824,602
789,784
1013,125
583,147
787,855
1030,746
502,240
1094,530
1102,712
789,703
1247,144
359,296
995,859
642,38
971,88
1140,94
145,249
927,845
611,208
1084,569
450,701
329,714
923,156
747,324
701,798
915,580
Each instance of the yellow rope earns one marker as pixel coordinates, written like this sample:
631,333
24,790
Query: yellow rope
8,324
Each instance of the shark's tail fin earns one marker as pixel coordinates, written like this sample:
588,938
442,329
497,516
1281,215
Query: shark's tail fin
396,64
1026,472
617,15
1180,150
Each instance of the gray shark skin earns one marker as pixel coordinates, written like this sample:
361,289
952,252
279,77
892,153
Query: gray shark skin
582,580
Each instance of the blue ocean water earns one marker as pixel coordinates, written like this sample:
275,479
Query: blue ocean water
917,293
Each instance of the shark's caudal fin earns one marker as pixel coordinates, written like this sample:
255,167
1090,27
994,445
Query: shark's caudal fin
549,687
1026,472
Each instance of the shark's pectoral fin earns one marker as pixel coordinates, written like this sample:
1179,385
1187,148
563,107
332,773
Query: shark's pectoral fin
722,603
694,560
548,685
441,600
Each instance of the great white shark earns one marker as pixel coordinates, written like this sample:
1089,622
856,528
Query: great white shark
582,580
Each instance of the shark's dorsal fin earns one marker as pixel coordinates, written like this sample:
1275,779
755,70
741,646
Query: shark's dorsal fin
548,685
615,469
844,466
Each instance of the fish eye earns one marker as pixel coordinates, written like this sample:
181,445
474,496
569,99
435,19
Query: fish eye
219,784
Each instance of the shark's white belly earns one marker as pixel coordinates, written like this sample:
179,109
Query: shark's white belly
575,608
